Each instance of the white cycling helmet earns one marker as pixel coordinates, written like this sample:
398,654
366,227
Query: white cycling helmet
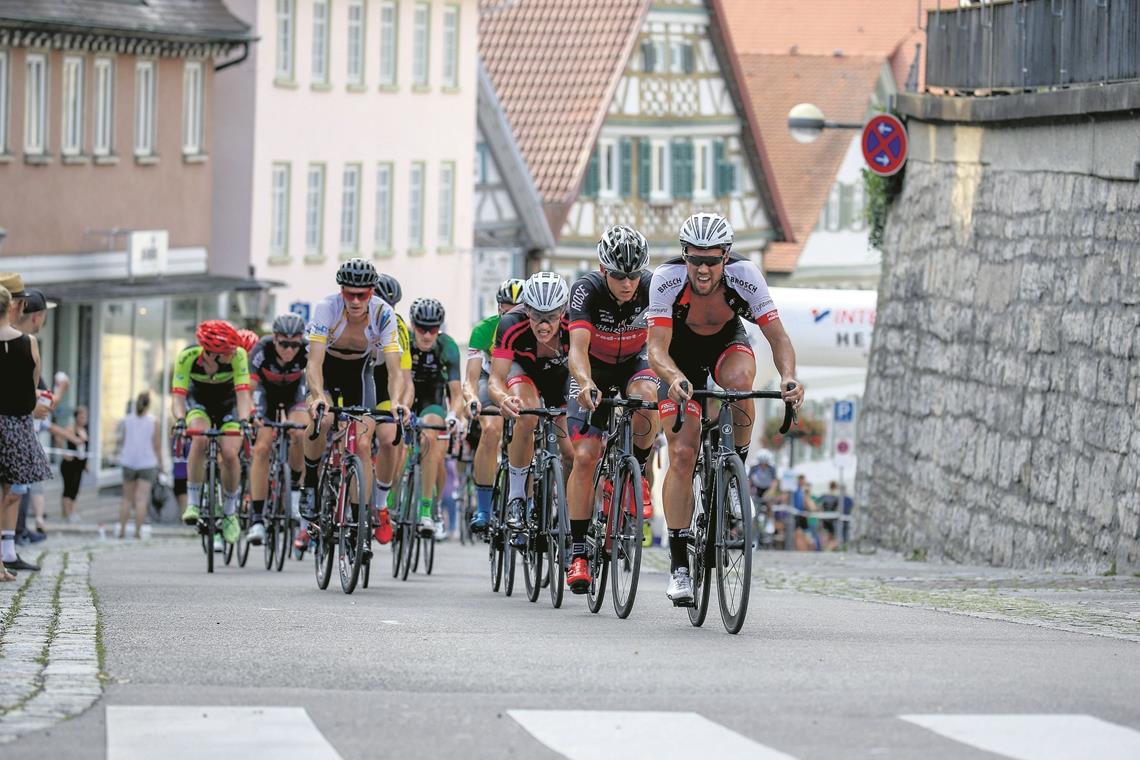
545,291
706,230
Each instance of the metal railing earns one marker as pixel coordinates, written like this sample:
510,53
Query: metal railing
1030,44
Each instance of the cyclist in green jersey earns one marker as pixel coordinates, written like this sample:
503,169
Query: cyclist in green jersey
475,392
211,388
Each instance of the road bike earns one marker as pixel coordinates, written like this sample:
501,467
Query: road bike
496,535
210,510
721,528
546,526
245,501
614,539
406,539
279,507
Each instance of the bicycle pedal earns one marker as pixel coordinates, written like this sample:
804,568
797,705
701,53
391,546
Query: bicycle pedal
684,602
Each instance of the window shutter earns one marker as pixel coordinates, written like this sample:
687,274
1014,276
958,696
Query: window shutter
590,186
845,193
718,161
643,167
625,146
648,56
682,169
688,59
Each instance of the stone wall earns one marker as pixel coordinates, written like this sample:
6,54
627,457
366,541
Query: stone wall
1001,420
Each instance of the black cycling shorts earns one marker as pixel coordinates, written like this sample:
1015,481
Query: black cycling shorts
349,382
611,379
699,356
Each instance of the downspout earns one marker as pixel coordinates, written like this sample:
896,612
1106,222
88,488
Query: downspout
236,61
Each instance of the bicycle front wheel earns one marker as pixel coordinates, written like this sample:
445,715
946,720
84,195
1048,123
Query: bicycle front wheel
206,514
597,542
733,545
269,517
625,557
557,531
326,539
698,569
429,554
350,530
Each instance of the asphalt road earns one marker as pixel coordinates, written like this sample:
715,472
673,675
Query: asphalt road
430,667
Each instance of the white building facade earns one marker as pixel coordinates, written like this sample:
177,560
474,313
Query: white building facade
350,131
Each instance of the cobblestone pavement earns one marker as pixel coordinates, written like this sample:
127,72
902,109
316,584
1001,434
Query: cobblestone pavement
1097,605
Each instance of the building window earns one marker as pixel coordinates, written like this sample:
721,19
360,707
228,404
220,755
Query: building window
858,200
681,58
320,41
350,210
285,31
481,159
447,204
834,202
192,108
416,206
608,178
451,46
3,101
104,106
144,108
72,106
279,208
388,21
421,27
35,105
314,210
659,189
703,169
383,235
650,60
356,42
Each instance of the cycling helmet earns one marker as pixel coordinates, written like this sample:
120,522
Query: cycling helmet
510,291
623,249
545,291
356,273
706,230
388,288
427,312
247,339
288,325
217,336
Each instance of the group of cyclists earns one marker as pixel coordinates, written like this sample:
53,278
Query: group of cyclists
618,331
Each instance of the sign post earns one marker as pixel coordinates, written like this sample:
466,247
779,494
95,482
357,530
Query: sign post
884,144
843,433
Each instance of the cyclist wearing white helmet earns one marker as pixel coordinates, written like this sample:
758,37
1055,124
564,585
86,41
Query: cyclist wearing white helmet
695,331
528,369
475,379
607,356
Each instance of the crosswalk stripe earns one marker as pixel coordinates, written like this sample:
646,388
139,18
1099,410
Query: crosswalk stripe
1037,737
587,735
186,732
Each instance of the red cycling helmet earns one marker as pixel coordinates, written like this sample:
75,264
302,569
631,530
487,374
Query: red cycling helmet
247,339
217,336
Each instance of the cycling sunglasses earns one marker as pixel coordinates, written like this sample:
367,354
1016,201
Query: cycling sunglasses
289,343
427,330
544,317
355,295
623,276
699,261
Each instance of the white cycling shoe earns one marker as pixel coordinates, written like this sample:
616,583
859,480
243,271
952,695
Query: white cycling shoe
440,531
427,527
680,590
256,534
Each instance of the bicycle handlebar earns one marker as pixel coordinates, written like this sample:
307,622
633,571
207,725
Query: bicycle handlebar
212,433
789,409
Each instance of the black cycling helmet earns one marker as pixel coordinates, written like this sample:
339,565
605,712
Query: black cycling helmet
356,273
288,325
510,291
388,288
623,249
427,312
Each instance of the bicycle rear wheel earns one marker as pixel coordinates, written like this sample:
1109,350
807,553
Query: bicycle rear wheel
350,530
496,533
429,554
407,525
557,533
510,556
326,539
206,514
532,566
597,543
625,558
244,517
269,543
733,545
698,570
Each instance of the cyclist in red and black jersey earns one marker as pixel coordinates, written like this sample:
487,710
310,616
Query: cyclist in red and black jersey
695,331
529,361
607,355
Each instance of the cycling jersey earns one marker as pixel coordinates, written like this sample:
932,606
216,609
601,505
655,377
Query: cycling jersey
432,370
617,331
516,341
213,395
482,341
347,374
743,288
279,383
380,371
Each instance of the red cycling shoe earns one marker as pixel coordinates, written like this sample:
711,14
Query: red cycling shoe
383,531
646,499
302,539
578,577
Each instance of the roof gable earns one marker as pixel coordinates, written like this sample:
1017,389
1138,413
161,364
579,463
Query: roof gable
185,19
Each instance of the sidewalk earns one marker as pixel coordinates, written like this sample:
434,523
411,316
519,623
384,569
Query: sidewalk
101,509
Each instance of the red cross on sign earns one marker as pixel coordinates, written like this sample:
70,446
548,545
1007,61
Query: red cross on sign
884,144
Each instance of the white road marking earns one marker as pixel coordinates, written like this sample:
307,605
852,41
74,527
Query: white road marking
588,735
390,622
1037,737
186,732
271,609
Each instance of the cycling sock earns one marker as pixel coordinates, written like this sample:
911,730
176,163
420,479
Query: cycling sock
295,479
194,491
578,538
518,482
229,506
678,548
742,452
311,466
483,499
8,546
258,508
642,456
425,507
381,496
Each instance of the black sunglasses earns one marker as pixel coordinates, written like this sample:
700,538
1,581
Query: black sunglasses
290,343
698,261
544,317
623,276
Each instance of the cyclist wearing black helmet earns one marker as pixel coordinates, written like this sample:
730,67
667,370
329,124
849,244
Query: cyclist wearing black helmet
277,368
607,356
350,331
475,378
387,467
438,398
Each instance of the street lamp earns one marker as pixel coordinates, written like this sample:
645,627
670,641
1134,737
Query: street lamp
252,300
806,122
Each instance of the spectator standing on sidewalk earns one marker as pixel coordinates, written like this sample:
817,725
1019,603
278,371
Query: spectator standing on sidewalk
140,450
73,438
22,459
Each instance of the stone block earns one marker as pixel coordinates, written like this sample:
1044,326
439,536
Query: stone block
1112,380
1077,326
